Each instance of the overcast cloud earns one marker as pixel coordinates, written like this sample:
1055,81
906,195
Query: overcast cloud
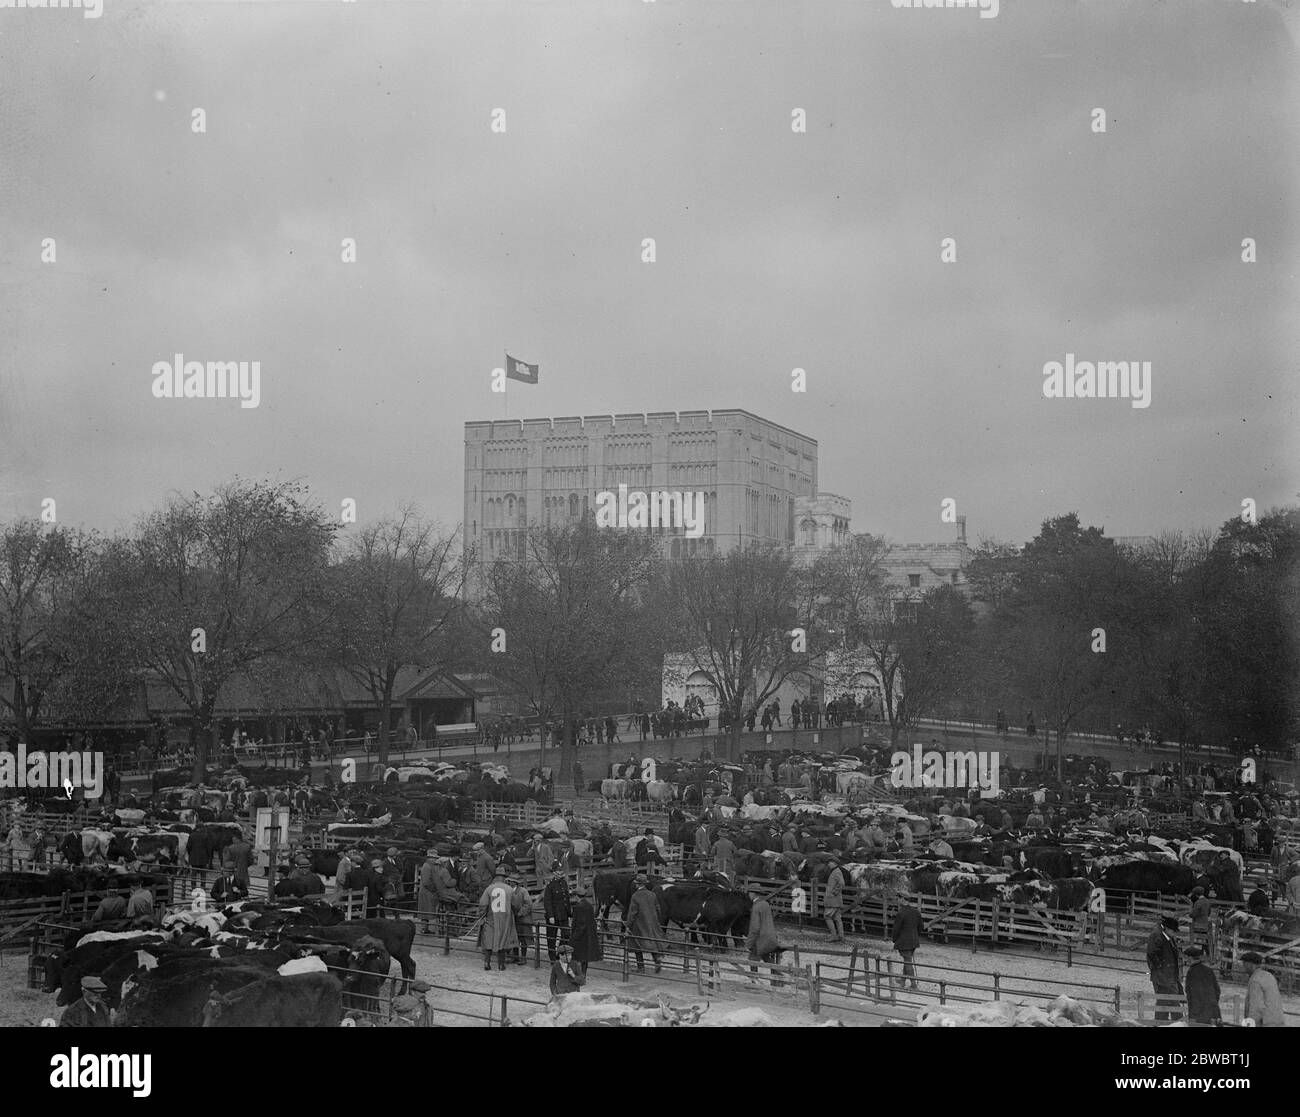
669,120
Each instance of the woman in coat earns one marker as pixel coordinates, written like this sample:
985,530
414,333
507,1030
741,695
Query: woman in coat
497,908
583,936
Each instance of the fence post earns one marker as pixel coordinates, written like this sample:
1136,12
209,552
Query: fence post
1117,999
997,987
814,990
943,992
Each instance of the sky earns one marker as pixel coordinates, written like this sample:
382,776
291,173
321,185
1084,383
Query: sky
774,249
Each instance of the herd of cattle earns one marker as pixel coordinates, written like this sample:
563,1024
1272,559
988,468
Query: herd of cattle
297,961
293,965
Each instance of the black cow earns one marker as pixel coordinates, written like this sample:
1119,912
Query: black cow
300,886
368,966
65,971
175,996
308,913
1072,893
707,910
614,886
148,958
1150,877
207,843
396,935
1053,861
325,862
310,1000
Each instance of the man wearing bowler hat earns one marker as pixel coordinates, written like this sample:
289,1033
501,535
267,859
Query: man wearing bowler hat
1163,964
1202,988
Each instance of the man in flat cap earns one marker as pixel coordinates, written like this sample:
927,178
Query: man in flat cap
91,1010
484,866
1164,965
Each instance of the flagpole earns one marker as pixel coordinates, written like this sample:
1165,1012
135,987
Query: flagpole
505,390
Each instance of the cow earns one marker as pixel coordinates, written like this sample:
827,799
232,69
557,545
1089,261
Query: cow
368,966
396,935
660,791
1148,876
134,963
174,996
1072,893
613,886
613,789
311,1000
300,886
325,862
1053,861
63,972
95,844
706,909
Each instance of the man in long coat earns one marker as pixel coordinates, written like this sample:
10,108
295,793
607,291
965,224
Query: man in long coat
1164,964
484,866
240,854
558,909
583,936
1202,988
523,908
906,934
543,856
762,941
642,925
498,906
724,854
436,888
701,844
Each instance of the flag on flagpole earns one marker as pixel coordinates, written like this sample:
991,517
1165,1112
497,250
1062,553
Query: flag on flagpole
518,370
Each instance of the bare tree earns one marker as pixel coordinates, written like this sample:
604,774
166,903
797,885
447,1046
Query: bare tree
744,620
217,586
396,602
566,619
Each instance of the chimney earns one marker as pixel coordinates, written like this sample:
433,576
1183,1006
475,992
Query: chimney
961,530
